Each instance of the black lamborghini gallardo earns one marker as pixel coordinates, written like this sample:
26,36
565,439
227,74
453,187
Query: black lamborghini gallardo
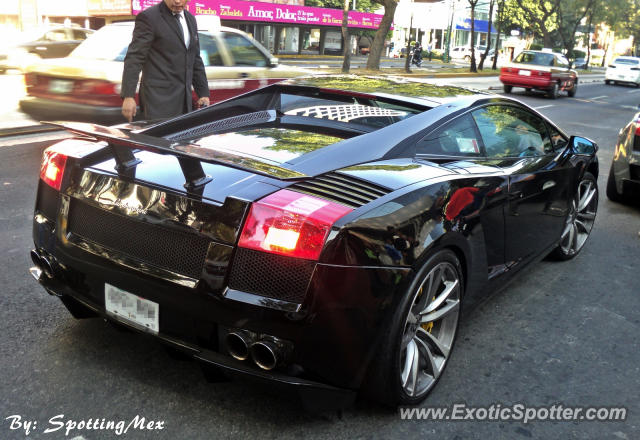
319,234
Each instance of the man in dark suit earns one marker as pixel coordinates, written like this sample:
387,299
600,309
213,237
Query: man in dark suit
166,49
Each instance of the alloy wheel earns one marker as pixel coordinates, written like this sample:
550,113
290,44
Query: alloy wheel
581,218
430,329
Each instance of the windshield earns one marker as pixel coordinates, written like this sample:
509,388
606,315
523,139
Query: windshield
629,61
109,43
537,58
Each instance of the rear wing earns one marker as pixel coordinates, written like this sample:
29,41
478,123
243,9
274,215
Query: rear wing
123,143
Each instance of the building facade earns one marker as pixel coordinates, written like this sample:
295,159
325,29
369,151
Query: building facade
282,26
430,23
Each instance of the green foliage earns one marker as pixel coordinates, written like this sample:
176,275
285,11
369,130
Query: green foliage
361,5
536,46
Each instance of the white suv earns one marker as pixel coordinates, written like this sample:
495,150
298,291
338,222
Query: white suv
623,70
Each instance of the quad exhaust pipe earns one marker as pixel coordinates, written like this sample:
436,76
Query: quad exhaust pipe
267,352
43,265
238,343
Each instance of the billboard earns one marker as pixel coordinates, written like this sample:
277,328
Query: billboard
273,12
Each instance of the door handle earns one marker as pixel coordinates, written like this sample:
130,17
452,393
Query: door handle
244,75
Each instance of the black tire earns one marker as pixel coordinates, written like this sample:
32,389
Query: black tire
612,189
580,219
467,58
572,91
553,91
384,382
607,82
507,88
528,90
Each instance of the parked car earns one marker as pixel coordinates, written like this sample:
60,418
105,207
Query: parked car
540,70
85,86
464,53
580,63
320,234
623,70
623,184
52,42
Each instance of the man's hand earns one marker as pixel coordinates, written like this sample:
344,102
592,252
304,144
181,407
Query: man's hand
129,108
203,102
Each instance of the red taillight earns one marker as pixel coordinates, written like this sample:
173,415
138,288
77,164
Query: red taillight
52,168
30,79
290,223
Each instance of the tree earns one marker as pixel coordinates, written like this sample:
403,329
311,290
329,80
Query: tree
472,67
539,17
498,29
346,39
486,50
570,14
377,47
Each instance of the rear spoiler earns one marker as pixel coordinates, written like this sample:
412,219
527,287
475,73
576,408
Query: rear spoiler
123,143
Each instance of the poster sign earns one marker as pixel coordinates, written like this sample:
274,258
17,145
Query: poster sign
273,12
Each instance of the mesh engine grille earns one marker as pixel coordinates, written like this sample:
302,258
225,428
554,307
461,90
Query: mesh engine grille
47,201
269,275
342,189
179,252
224,124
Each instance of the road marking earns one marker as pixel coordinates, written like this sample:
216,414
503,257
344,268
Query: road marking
543,106
635,91
581,100
629,107
598,97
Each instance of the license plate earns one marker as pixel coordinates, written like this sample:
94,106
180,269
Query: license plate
130,308
60,86
524,72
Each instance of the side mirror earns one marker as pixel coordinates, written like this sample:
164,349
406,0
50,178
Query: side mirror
580,145
273,62
577,145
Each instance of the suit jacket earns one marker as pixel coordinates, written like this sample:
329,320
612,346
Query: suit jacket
169,69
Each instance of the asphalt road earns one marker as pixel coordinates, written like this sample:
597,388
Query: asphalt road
562,333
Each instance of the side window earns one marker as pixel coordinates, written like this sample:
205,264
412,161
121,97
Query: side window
209,51
557,140
562,62
459,138
243,51
57,35
509,131
79,35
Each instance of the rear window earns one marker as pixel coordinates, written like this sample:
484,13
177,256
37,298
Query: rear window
109,43
275,144
537,58
628,61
